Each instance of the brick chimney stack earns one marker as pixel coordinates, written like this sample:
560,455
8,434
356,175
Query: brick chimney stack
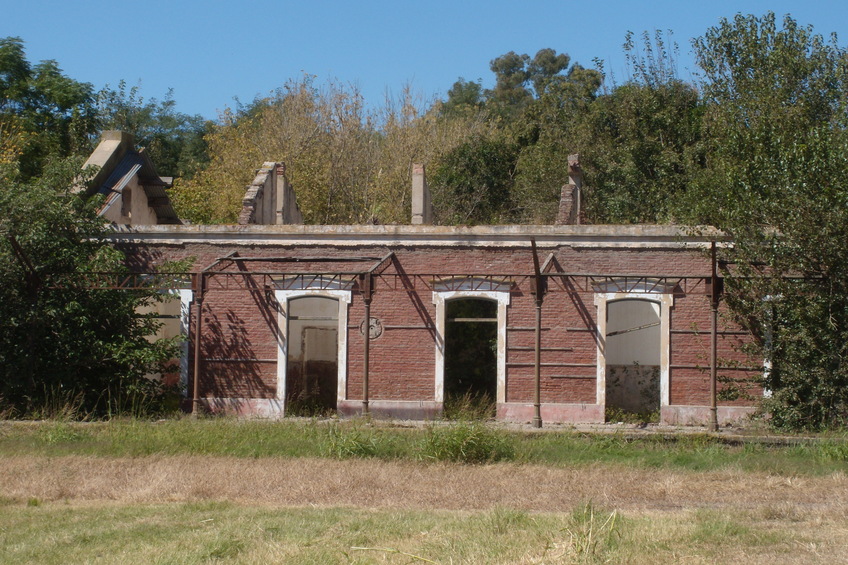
570,203
422,209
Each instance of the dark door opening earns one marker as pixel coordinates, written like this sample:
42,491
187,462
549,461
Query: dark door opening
471,344
632,354
312,365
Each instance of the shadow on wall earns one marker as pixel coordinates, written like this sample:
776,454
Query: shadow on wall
230,366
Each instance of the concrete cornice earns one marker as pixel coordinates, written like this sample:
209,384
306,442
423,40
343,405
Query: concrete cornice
635,236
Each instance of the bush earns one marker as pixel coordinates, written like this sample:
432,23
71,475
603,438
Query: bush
467,442
346,443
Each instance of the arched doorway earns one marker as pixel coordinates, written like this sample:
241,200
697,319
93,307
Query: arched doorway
312,356
488,292
633,356
471,346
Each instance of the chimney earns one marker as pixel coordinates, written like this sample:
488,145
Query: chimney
570,203
422,209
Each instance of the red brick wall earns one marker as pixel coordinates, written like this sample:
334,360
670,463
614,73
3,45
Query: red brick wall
240,323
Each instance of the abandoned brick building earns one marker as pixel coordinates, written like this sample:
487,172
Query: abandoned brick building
557,323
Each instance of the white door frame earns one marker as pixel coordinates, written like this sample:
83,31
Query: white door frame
502,300
283,297
666,302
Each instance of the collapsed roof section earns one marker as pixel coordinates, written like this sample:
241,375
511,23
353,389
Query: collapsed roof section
270,198
134,192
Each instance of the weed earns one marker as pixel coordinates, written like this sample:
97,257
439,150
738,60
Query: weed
311,407
467,442
503,520
615,414
58,404
832,450
592,532
33,502
345,442
62,432
469,407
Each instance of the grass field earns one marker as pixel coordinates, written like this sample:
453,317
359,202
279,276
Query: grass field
226,491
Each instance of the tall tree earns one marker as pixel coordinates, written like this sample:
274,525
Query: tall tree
464,97
56,112
174,140
776,122
348,163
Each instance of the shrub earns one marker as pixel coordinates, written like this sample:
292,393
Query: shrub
348,442
467,442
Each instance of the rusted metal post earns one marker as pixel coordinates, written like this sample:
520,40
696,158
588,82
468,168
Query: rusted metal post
714,298
537,370
537,399
366,298
198,327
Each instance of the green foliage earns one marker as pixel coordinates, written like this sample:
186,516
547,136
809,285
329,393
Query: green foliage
238,438
775,126
613,414
347,442
62,341
55,112
174,140
467,442
348,162
464,97
642,142
472,183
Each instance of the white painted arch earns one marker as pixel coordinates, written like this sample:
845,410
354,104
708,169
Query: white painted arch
439,299
665,300
283,297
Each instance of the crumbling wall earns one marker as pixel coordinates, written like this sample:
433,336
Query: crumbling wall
270,199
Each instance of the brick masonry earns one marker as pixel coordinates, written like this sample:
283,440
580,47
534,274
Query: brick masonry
241,329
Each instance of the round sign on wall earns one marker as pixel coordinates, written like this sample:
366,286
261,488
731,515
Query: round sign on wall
375,328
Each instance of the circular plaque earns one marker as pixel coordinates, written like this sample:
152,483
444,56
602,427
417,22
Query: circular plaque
375,328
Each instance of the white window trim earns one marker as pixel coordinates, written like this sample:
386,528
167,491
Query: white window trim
283,297
666,302
439,299
186,299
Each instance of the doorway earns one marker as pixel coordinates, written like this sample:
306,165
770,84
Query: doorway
312,356
471,357
633,351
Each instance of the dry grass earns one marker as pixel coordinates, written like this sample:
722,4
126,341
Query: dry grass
407,485
195,509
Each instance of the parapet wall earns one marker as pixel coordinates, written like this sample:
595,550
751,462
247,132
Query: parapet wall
270,199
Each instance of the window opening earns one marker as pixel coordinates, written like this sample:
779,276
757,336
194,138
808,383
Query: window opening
126,202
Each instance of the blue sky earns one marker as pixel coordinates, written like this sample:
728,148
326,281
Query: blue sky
212,51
